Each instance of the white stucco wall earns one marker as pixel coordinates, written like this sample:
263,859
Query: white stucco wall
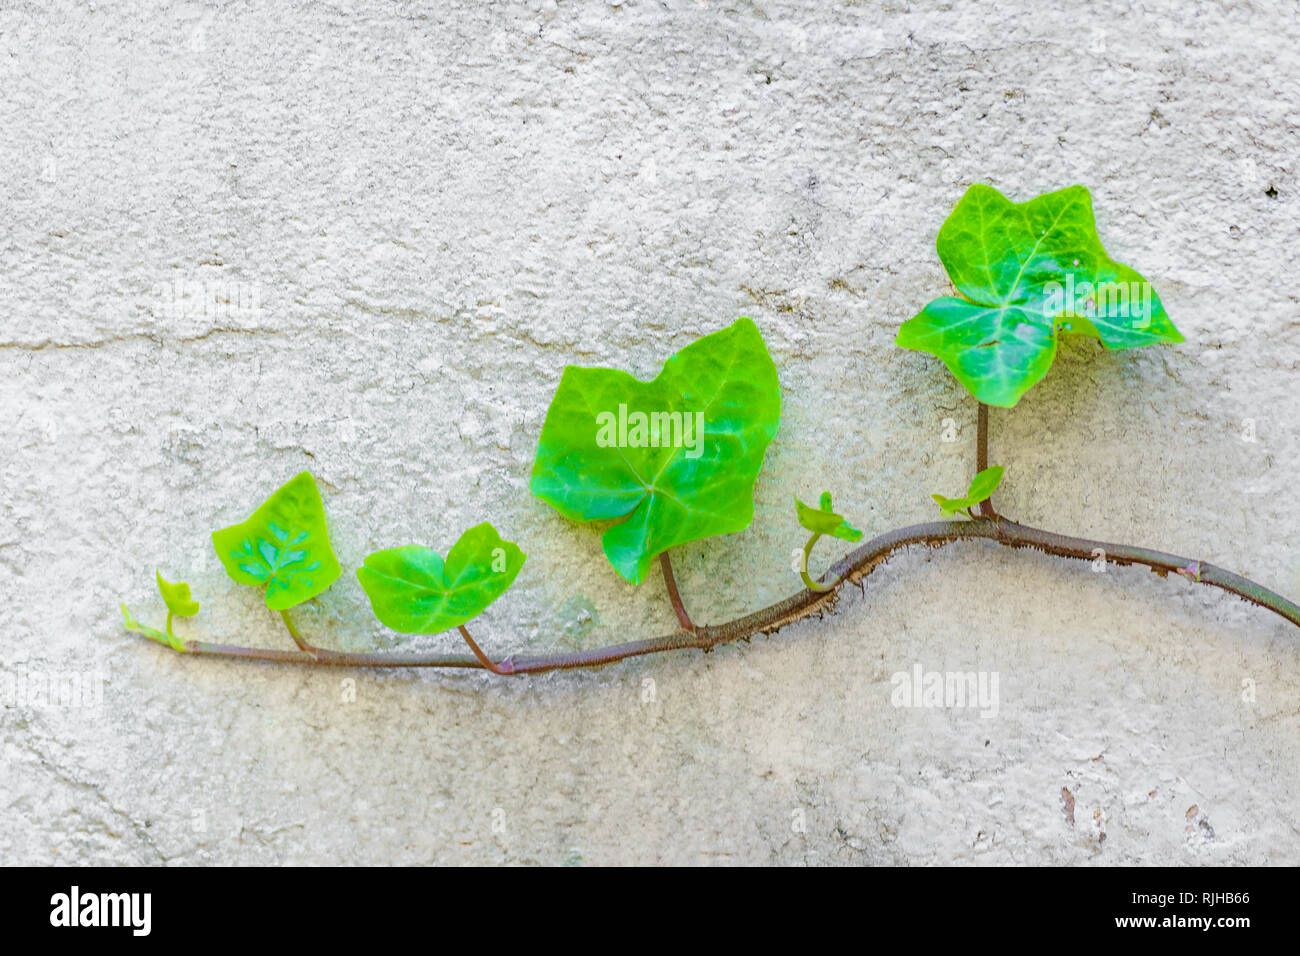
436,207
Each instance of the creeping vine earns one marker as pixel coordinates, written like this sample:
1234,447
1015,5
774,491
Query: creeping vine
674,460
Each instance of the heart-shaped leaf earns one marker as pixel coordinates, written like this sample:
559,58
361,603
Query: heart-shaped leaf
284,545
1029,271
413,591
824,520
981,488
675,458
177,596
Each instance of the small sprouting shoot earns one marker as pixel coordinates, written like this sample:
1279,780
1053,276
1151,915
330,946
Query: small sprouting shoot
822,521
981,489
176,595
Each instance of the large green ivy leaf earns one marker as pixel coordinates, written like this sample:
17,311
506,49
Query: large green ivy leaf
1028,272
413,591
283,545
675,458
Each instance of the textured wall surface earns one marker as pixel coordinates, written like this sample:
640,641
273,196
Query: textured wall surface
391,225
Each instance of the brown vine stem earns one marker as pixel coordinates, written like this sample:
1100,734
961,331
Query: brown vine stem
679,608
853,567
982,457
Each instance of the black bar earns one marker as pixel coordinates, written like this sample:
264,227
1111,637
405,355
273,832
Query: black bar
332,906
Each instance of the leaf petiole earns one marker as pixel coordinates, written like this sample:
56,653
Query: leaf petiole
293,632
982,457
808,582
504,668
684,619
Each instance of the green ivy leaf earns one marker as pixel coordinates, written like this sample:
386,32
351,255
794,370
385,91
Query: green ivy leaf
1028,272
611,447
984,484
413,591
825,521
162,637
177,596
283,545
981,488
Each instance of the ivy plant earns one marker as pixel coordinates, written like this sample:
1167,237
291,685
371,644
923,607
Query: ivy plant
675,459
1027,273
414,591
671,460
283,546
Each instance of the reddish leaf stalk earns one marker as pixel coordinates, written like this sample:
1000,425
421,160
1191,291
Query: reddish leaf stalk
505,667
982,457
678,607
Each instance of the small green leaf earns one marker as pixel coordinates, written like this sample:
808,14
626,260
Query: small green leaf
1028,272
413,591
984,484
672,460
284,545
950,506
824,520
177,596
981,488
175,643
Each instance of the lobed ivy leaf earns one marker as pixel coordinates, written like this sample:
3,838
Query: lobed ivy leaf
666,480
413,591
283,545
177,596
981,488
823,520
1029,272
162,637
